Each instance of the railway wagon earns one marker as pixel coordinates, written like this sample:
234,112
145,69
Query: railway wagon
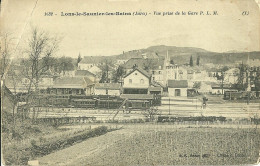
232,95
185,119
83,103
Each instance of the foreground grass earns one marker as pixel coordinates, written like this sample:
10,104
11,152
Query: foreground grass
24,140
186,146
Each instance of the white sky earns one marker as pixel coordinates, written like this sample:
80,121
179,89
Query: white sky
110,35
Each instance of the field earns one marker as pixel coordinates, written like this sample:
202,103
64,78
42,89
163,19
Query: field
163,145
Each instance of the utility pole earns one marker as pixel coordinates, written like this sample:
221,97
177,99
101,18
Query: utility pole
169,106
222,81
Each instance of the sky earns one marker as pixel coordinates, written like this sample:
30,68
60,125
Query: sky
111,35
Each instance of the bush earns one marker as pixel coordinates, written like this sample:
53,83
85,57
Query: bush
15,155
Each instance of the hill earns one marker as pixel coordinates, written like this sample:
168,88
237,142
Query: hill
181,55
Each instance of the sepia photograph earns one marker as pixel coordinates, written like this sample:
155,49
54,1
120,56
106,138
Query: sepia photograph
130,82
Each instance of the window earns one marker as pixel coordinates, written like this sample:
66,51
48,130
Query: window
153,72
135,73
159,72
130,81
142,81
153,78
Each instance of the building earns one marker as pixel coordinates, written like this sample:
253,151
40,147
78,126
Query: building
18,85
113,89
86,73
157,71
177,87
134,62
231,75
95,70
136,82
253,62
72,86
89,61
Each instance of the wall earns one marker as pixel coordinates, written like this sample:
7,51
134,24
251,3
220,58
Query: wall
157,76
95,70
83,66
172,91
136,78
110,92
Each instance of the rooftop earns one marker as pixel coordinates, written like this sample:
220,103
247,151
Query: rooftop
83,73
72,82
140,63
177,83
141,71
111,86
137,96
92,59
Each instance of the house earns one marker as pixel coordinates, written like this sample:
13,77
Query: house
95,70
136,82
72,86
86,73
157,71
231,75
107,89
177,87
253,62
89,61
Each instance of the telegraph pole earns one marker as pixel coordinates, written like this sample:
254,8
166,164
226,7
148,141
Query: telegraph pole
222,81
169,106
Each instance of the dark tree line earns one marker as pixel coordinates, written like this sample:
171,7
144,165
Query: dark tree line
197,62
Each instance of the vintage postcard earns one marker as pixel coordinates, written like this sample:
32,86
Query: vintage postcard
130,82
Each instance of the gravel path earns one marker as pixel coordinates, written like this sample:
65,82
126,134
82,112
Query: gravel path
88,148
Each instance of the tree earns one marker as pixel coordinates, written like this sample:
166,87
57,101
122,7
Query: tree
78,60
149,64
65,64
103,77
197,85
150,113
256,81
7,67
198,61
40,49
106,67
6,51
191,61
242,82
118,74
